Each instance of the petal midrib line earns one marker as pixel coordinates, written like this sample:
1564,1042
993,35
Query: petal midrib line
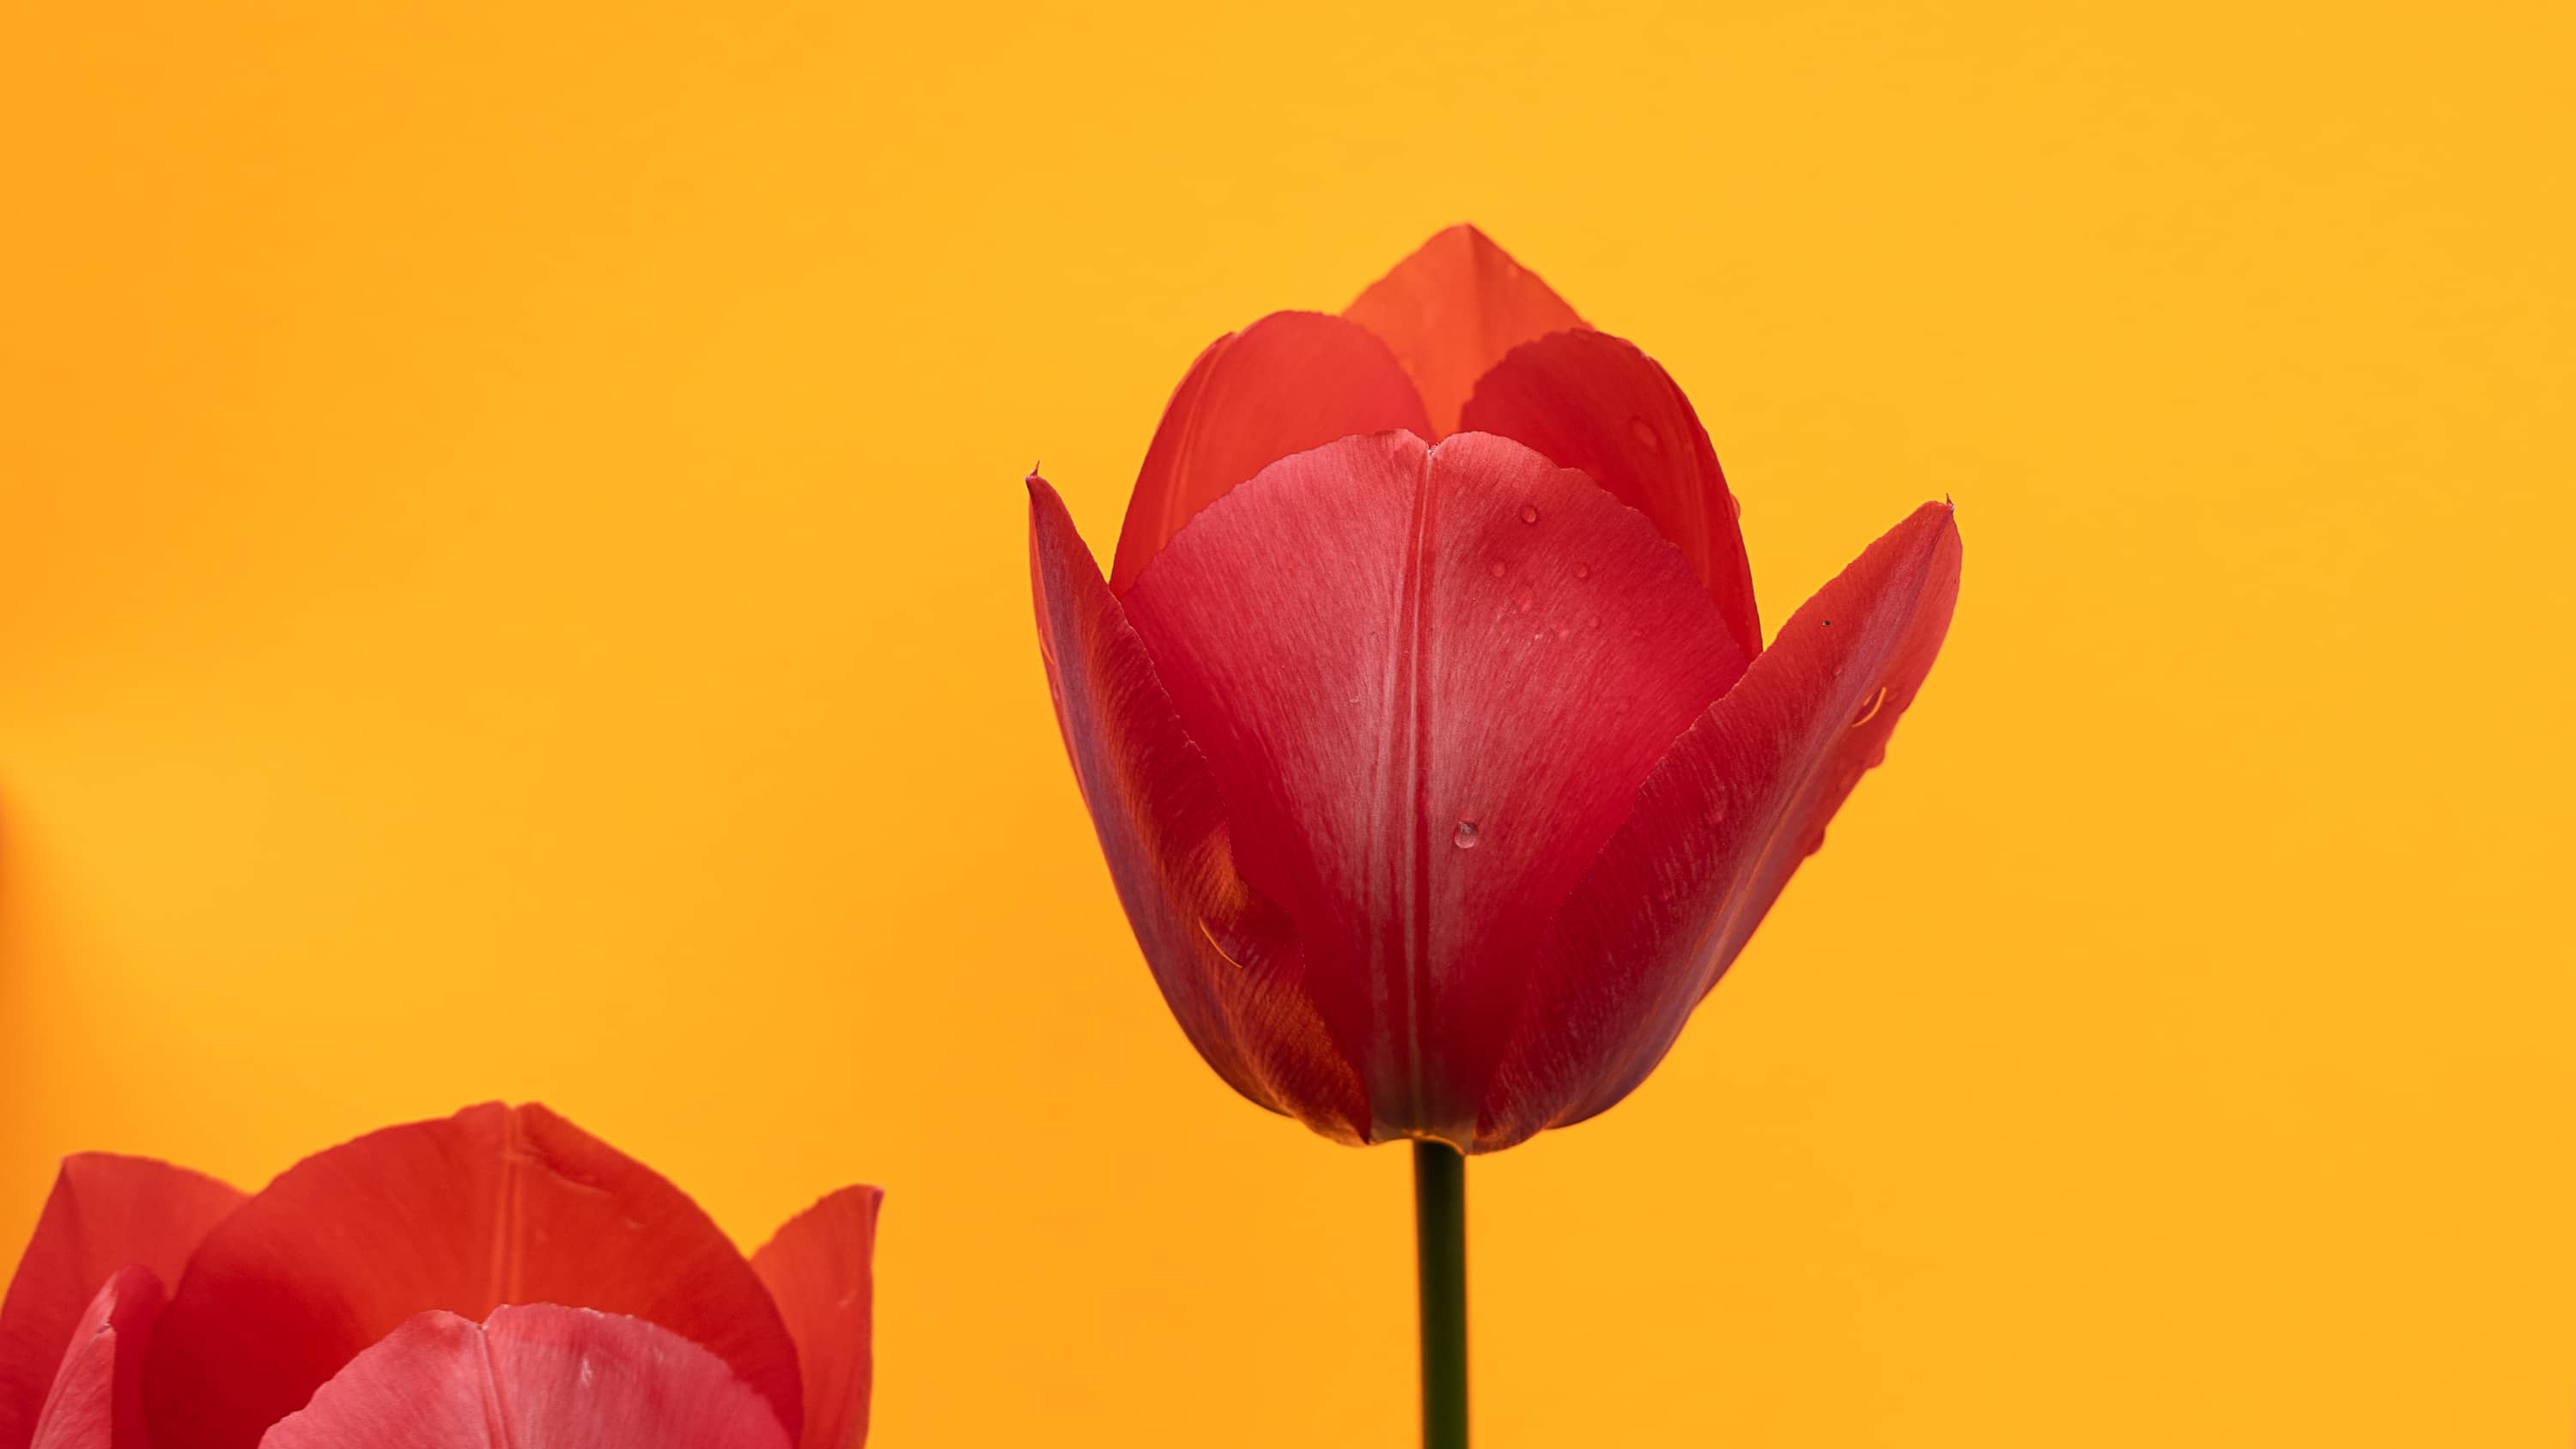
509,1216
1404,786
496,1409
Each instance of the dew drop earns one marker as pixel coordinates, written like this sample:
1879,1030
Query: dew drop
1583,571
1465,838
1527,601
1529,513
1497,570
1646,434
1871,711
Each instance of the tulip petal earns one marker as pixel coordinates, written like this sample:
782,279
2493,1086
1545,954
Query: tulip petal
1452,309
1718,829
106,1212
1289,382
1592,401
96,1399
1228,964
1428,682
538,1377
819,1272
494,1205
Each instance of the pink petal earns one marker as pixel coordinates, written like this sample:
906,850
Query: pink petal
1289,382
1592,401
539,1377
1719,827
106,1213
96,1398
1224,957
818,1271
1451,310
488,1207
1428,683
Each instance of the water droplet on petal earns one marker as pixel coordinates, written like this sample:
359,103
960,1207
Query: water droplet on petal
1497,570
1870,711
1465,838
1527,601
1583,571
1646,434
1529,513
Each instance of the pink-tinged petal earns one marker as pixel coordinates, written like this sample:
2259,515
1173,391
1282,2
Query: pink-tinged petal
494,1205
1719,827
1452,309
1428,682
818,1269
1592,401
539,1377
96,1399
106,1213
1225,958
1289,382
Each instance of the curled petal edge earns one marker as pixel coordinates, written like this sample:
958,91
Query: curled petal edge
1226,959
1718,828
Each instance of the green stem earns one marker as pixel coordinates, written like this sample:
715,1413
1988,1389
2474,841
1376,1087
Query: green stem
1440,1240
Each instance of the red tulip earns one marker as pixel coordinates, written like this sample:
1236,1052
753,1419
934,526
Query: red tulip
1424,715
339,1306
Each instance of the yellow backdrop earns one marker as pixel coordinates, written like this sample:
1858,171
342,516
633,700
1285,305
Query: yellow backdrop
512,583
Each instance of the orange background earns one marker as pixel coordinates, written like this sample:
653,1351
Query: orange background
512,584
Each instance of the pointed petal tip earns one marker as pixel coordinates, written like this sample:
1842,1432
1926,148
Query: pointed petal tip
1451,309
1466,233
867,1197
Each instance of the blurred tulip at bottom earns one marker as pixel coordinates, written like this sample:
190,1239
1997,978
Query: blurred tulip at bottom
1424,715
499,1277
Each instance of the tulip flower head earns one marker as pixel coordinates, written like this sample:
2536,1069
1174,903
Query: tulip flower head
1425,717
499,1277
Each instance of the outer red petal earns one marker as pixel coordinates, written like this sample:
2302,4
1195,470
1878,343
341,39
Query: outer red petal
1228,964
818,1270
1289,382
1719,827
1592,401
1429,682
96,1398
494,1205
106,1212
540,1377
1452,309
